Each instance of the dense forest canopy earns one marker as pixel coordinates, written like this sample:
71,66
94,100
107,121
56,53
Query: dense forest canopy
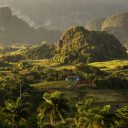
81,45
64,13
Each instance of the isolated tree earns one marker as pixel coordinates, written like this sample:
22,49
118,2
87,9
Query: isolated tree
56,105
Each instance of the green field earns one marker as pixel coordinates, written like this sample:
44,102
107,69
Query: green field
80,93
106,65
110,65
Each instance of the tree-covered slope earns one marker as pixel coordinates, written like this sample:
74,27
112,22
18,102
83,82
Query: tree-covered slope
118,26
95,23
40,52
80,45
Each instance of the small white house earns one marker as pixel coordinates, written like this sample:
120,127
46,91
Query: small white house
73,78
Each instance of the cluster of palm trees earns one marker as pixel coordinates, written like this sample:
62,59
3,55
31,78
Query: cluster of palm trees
55,109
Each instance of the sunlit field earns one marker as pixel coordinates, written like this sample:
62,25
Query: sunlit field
107,65
110,65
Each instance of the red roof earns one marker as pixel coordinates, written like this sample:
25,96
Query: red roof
73,76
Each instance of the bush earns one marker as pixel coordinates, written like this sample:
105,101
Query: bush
122,67
49,79
111,82
29,79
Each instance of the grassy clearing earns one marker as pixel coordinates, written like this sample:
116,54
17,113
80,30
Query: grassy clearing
55,85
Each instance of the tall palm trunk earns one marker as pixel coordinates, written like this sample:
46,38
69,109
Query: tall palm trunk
53,118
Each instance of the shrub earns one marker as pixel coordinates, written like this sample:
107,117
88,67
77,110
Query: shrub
122,67
49,79
111,82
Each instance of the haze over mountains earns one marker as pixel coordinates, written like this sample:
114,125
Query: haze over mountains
14,30
64,13
46,19
116,24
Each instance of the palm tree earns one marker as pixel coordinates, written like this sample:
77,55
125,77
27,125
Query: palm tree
94,117
104,118
14,112
56,104
84,118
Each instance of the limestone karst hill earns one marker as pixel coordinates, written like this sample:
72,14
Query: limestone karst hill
15,30
116,24
81,45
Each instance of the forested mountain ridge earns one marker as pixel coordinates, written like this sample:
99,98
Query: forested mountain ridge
81,45
116,24
14,30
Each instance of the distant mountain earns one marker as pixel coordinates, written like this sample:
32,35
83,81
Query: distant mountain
118,26
14,30
95,23
62,14
51,36
79,45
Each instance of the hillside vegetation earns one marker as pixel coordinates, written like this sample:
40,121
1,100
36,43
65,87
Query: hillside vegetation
80,45
40,52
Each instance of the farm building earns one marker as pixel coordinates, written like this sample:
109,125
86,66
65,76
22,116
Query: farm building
73,78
